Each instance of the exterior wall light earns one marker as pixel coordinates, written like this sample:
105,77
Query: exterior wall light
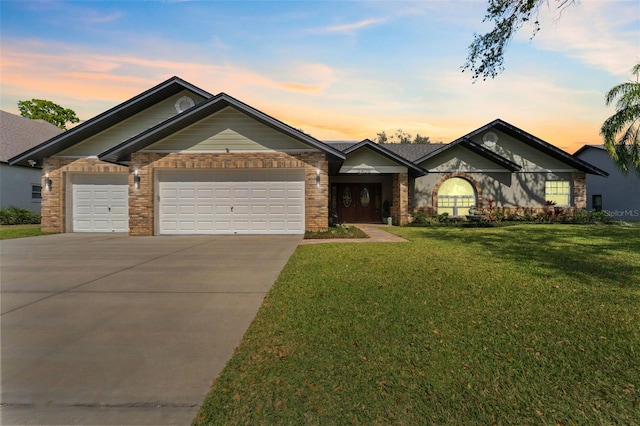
47,182
136,179
317,178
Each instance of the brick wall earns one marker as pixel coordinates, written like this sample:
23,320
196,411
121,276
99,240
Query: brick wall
141,202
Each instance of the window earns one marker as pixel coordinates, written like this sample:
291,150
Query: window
455,197
558,191
36,192
596,202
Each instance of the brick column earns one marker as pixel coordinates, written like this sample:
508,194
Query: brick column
52,203
400,203
141,206
579,180
317,195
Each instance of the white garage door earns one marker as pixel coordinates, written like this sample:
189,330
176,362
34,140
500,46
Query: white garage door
246,201
100,203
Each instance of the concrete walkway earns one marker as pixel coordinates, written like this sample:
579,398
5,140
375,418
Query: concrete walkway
107,329
376,234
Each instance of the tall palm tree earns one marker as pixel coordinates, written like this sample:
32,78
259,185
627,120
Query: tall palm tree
621,131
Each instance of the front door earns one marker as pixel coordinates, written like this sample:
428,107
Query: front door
358,202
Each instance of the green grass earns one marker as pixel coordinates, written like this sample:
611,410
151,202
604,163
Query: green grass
523,324
20,231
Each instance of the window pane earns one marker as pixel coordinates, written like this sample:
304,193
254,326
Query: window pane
36,191
596,200
558,191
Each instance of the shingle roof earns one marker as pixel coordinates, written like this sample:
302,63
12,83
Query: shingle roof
408,151
413,151
18,134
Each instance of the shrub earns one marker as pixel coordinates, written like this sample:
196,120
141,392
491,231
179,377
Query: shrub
592,216
600,216
444,218
18,216
420,217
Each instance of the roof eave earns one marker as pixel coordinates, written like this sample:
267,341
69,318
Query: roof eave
105,120
412,167
125,149
544,146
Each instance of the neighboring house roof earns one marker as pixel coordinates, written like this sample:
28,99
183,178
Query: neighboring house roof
122,152
107,119
585,147
383,150
478,149
18,134
539,144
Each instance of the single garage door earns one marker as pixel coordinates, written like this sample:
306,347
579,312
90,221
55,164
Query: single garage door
243,201
100,203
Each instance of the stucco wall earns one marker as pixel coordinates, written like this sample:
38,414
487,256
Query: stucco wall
507,189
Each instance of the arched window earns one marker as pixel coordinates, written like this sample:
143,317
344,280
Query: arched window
455,196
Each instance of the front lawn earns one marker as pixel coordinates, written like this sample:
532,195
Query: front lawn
524,324
19,231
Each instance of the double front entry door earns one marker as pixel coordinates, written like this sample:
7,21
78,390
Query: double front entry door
357,202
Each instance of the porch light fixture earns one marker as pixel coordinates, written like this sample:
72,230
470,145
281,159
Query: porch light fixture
136,179
317,178
47,182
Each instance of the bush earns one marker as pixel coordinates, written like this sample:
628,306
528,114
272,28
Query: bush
419,217
18,216
592,216
600,216
444,218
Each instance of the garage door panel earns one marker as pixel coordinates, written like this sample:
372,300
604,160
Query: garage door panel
259,209
100,202
259,201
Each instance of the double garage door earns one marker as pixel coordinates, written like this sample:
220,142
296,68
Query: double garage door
246,201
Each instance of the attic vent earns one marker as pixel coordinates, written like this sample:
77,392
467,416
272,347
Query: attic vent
184,103
490,139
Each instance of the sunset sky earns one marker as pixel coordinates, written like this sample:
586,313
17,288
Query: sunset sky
338,70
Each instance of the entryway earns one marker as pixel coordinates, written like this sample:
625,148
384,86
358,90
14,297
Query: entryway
357,202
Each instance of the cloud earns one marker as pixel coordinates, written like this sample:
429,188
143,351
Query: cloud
59,71
350,28
602,34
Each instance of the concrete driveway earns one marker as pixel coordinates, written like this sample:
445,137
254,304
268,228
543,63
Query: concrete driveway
111,329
